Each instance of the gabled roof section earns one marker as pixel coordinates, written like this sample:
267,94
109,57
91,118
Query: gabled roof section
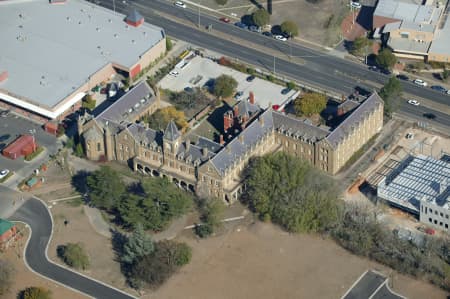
134,16
247,108
370,104
297,127
171,133
145,136
239,147
92,134
209,144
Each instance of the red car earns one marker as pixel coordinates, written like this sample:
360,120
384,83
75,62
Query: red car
225,20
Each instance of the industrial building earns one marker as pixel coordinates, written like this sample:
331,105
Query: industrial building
58,50
420,185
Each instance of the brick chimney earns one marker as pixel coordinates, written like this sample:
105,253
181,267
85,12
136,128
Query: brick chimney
252,97
236,110
221,142
227,121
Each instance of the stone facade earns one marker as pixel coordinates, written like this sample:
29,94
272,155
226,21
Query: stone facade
214,169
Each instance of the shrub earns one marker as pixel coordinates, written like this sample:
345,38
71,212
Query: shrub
310,103
34,154
386,59
74,255
35,293
224,86
261,17
88,102
290,28
169,45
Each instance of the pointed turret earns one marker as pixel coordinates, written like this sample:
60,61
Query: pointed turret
171,133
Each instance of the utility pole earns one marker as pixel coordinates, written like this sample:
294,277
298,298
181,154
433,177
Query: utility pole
114,6
198,16
290,45
274,64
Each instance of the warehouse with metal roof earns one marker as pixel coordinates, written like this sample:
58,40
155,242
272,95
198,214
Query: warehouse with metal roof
56,53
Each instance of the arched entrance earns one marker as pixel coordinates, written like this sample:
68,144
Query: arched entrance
183,185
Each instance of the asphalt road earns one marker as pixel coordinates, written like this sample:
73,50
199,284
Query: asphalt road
320,69
38,218
370,286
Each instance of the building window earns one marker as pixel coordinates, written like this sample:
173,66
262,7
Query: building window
440,223
203,178
217,183
99,147
125,137
435,222
126,148
88,146
429,219
446,216
446,225
435,212
120,146
442,215
431,210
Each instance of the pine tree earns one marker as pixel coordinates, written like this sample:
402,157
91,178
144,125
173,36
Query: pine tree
138,245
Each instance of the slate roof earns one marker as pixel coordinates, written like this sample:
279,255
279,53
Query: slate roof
171,133
297,127
134,16
128,105
209,144
246,108
145,136
193,154
236,149
370,104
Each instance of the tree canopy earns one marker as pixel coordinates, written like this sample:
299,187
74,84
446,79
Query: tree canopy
310,103
105,188
290,28
224,86
160,119
155,268
74,255
391,93
261,17
291,193
386,59
137,245
361,46
35,293
211,213
160,203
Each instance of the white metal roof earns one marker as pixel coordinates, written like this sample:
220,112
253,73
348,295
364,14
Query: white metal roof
51,50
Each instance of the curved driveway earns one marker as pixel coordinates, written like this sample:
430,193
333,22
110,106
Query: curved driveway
37,216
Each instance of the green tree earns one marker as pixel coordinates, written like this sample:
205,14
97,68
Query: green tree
391,93
155,268
361,46
292,193
6,275
35,293
74,255
386,59
445,74
169,45
261,17
106,188
290,28
88,102
79,151
310,103
211,214
137,245
163,116
290,85
224,86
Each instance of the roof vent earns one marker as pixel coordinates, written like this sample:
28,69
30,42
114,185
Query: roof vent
109,20
116,35
145,33
79,23
21,26
97,29
133,41
68,18
99,47
127,27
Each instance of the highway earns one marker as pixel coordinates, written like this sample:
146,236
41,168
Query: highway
35,214
319,68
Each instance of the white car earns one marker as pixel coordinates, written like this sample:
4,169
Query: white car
280,37
4,173
420,82
413,102
356,5
174,73
180,4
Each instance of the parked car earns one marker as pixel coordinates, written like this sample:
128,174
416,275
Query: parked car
174,73
254,28
356,5
280,37
429,115
285,91
413,102
250,78
240,25
385,71
4,173
403,77
180,4
225,20
420,82
409,136
267,33
439,88
238,95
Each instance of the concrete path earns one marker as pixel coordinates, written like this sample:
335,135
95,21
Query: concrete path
97,221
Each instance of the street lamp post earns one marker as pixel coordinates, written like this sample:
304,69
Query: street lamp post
274,64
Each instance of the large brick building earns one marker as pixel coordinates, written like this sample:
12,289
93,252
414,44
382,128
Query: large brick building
215,168
57,53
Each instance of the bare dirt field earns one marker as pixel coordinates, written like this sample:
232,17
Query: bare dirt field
25,278
261,261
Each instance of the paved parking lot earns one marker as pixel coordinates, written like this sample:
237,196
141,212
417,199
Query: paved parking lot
369,286
201,70
11,127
